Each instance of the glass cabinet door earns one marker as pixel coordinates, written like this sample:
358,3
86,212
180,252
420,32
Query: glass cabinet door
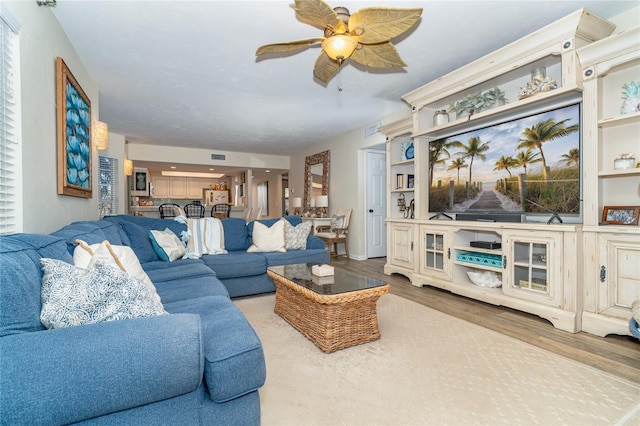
435,251
531,265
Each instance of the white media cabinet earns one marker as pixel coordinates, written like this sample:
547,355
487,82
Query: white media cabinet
551,270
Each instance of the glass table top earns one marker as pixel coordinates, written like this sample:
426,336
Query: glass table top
341,282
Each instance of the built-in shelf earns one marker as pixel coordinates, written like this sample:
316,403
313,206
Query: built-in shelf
558,97
479,250
403,163
619,120
478,266
620,173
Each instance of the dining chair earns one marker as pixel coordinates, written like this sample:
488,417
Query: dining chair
258,215
246,214
169,210
195,209
337,232
220,211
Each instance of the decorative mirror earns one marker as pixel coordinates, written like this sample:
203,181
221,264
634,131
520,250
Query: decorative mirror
316,176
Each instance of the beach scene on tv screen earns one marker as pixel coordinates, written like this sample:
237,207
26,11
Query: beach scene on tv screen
528,165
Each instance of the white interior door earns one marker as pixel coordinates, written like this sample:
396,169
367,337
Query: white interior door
376,204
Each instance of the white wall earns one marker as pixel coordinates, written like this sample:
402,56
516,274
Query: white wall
41,41
347,186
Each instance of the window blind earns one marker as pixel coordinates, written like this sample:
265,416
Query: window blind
108,186
10,150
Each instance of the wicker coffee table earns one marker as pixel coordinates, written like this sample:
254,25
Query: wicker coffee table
333,312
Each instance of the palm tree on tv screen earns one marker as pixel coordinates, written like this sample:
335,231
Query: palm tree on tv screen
542,132
457,164
524,158
573,157
506,163
475,148
438,153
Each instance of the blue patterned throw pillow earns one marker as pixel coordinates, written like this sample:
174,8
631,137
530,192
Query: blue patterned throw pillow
73,296
296,236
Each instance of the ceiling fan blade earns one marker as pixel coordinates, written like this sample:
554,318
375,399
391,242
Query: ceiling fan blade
290,46
381,55
325,68
378,24
319,14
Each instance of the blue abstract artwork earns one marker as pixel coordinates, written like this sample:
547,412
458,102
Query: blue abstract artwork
73,134
78,146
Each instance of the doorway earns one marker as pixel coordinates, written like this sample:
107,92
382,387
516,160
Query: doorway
376,203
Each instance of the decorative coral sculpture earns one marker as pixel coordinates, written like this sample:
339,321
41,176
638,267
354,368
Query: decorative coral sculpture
538,85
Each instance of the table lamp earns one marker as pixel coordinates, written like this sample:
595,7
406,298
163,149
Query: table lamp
322,201
296,203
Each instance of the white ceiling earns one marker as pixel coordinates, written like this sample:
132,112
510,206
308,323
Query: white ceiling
184,73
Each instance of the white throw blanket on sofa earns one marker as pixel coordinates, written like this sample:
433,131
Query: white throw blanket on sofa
207,236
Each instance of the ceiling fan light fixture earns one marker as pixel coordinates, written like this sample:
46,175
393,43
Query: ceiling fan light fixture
339,47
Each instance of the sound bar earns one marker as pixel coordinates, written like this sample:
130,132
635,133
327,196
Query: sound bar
490,217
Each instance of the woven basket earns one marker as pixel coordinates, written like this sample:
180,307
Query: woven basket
332,322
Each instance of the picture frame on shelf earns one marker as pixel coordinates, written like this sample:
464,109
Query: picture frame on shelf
620,215
408,152
73,116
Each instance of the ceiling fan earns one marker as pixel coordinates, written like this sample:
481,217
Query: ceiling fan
364,37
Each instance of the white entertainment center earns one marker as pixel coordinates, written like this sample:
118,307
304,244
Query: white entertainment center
547,267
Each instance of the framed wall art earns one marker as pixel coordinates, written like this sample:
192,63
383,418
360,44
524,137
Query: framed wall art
73,134
140,182
620,215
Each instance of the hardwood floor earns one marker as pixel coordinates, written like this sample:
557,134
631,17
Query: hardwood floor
618,355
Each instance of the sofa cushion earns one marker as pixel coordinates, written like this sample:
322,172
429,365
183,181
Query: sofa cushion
268,238
93,232
72,296
296,236
184,279
140,242
150,223
236,235
234,360
236,264
314,256
167,245
21,277
68,375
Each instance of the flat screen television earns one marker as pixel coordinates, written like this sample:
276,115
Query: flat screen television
527,167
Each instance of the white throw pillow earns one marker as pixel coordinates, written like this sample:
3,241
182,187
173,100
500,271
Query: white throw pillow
167,245
73,296
296,236
85,256
268,239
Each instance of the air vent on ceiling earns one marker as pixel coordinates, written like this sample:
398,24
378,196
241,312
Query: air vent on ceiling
371,130
218,157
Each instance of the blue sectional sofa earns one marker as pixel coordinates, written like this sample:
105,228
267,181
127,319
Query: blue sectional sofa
201,364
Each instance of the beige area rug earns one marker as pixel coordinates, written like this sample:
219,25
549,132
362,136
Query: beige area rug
429,368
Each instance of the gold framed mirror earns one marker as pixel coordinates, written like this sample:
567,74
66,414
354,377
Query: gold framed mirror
316,176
